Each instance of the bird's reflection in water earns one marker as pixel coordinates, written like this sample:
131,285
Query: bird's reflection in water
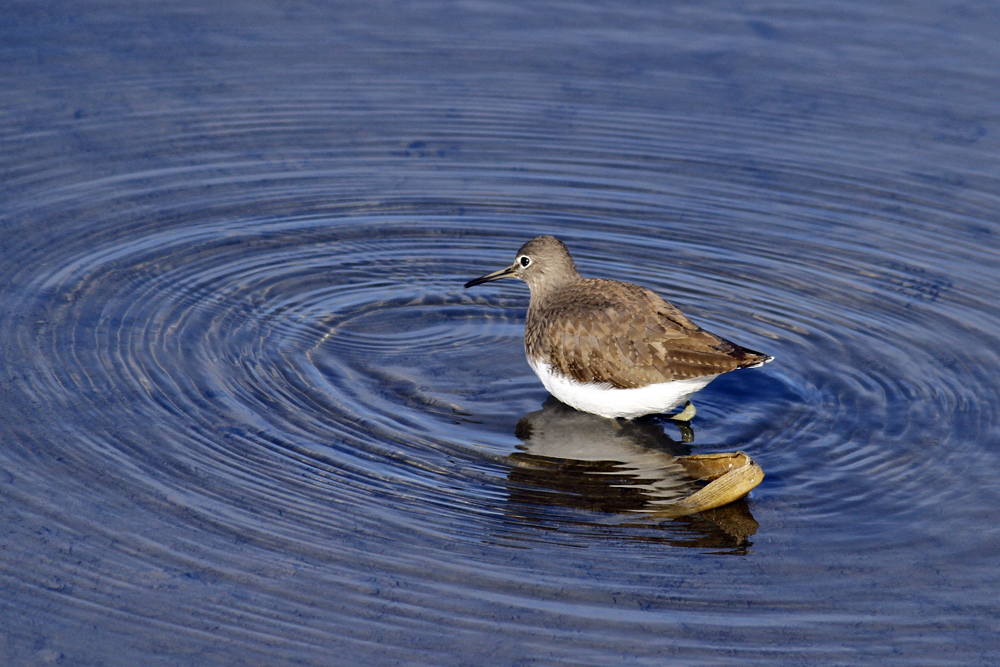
606,468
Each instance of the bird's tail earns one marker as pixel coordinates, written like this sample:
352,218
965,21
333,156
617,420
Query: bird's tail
752,358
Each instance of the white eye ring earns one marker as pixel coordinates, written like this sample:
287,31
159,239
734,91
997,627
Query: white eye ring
524,261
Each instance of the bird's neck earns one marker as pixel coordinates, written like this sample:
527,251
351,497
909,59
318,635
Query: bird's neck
546,284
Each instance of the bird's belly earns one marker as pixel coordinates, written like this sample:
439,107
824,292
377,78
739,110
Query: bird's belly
606,401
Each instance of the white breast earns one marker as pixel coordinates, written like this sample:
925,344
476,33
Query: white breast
604,400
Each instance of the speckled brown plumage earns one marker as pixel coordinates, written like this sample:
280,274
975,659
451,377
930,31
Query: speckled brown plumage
606,331
609,332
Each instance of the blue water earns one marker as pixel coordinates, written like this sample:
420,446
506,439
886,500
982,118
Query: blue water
248,415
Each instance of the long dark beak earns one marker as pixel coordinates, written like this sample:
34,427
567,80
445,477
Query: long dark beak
496,275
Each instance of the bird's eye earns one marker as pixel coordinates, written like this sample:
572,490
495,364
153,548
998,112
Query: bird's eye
524,261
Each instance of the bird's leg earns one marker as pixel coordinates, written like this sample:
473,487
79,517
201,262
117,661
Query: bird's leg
687,433
687,414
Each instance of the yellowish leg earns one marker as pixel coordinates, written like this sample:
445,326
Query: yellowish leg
687,414
687,433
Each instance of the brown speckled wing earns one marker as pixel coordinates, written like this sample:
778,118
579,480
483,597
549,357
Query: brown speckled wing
625,335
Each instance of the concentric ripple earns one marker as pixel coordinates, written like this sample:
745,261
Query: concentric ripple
249,414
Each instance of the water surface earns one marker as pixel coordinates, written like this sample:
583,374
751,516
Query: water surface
249,415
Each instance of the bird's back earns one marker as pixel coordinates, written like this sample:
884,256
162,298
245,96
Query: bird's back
609,332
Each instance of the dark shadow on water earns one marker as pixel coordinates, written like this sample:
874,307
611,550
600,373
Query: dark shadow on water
574,468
